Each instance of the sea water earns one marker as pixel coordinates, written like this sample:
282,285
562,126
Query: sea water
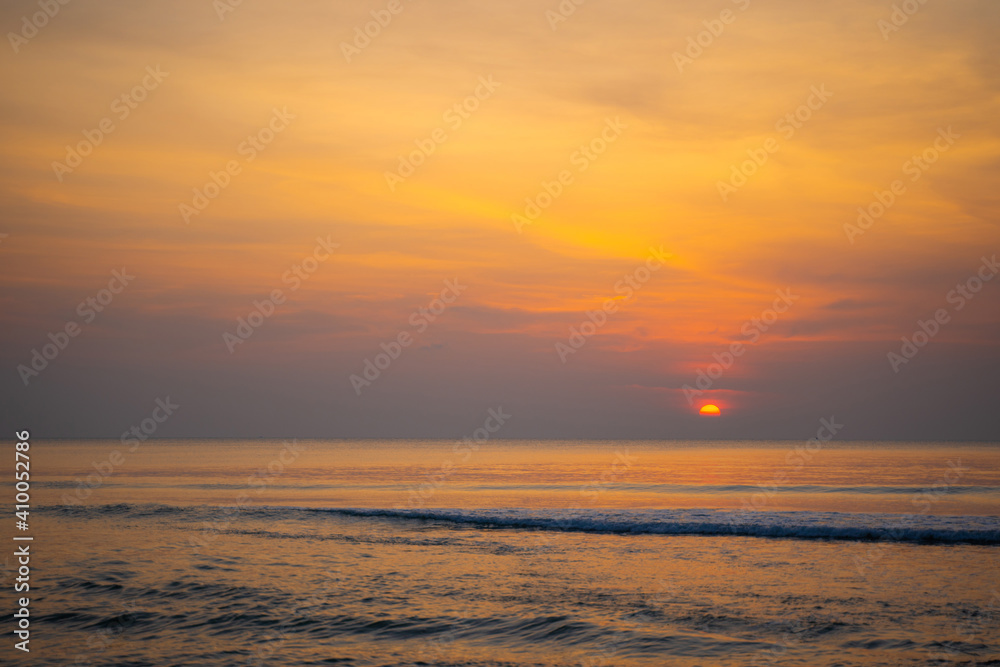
226,552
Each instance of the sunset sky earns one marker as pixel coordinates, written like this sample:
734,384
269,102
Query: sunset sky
641,137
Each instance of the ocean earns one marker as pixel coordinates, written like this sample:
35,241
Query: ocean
510,553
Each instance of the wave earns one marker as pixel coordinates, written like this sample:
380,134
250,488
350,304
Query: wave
797,525
909,528
722,489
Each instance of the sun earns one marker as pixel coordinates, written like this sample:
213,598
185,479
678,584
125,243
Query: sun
710,411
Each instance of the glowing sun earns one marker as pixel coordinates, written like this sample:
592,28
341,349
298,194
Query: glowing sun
710,411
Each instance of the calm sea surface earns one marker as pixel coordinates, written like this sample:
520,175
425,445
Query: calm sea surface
510,553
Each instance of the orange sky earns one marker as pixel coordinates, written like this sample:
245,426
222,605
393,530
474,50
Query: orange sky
656,184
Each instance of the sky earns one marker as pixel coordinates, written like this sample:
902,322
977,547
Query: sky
594,205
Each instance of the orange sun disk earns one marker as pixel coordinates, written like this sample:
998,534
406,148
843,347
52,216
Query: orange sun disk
710,411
